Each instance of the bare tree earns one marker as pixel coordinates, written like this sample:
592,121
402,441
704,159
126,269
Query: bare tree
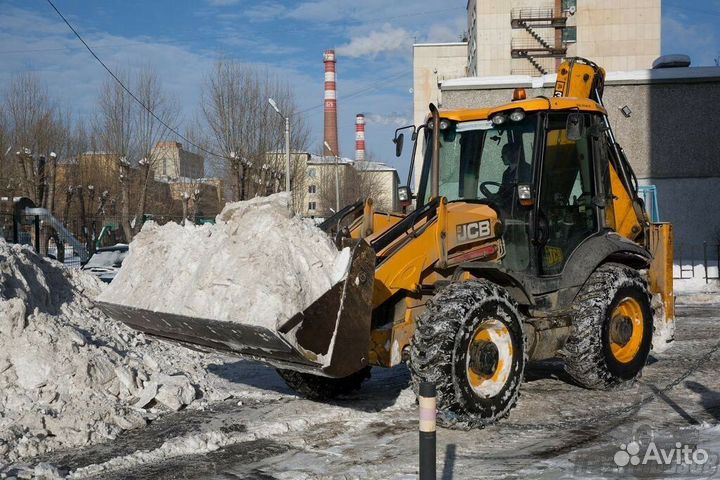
128,132
245,129
32,125
357,181
6,169
150,130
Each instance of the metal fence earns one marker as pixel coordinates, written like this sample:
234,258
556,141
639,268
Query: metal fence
72,240
697,261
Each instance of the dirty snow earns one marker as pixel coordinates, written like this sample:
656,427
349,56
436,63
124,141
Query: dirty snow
257,265
557,430
663,328
70,376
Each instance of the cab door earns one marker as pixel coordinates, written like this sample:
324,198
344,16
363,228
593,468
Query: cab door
566,214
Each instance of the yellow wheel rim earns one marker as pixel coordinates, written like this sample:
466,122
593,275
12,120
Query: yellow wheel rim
626,330
490,346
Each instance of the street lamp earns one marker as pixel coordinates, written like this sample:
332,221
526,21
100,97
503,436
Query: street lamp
287,143
337,180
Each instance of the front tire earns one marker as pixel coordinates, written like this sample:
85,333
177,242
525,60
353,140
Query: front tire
316,387
612,328
470,343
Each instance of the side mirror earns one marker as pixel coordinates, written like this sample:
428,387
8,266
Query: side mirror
398,141
403,193
574,127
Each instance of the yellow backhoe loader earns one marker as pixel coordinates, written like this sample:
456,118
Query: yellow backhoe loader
528,241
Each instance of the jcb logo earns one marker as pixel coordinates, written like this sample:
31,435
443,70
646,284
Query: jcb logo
468,232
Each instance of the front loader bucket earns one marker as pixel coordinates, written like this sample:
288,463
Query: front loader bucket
330,337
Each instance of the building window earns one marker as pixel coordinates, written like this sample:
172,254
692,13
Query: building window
311,205
569,35
311,173
312,189
569,5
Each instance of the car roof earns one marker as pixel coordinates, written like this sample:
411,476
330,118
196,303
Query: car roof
120,247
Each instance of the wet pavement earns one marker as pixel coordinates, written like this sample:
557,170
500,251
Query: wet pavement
557,430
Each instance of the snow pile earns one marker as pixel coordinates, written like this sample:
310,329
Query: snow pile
68,374
257,265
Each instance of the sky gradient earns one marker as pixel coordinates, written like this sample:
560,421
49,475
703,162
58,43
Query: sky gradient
181,39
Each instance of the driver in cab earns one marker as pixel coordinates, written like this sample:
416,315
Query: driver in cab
516,171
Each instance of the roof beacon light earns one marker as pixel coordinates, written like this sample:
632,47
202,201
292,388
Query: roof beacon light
519,94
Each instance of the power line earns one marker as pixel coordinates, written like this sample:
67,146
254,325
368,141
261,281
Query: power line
354,94
132,95
220,37
70,48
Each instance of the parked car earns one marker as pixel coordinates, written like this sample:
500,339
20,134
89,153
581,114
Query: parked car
106,262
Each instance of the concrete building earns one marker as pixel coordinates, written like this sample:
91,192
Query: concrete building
314,183
670,137
530,37
170,161
434,63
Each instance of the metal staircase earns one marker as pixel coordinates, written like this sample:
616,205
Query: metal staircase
534,34
537,65
536,46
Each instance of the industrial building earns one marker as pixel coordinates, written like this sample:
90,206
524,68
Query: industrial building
170,161
531,37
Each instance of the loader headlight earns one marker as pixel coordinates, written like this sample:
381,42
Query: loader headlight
444,124
403,194
499,119
517,115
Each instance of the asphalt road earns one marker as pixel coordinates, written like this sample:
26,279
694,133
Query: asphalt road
557,430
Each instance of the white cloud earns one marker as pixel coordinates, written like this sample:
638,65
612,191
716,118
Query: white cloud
222,3
387,40
265,11
450,31
699,41
392,118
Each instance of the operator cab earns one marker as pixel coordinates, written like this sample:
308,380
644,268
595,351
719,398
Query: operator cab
534,168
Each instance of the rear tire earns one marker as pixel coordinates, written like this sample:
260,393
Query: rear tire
612,329
316,387
469,342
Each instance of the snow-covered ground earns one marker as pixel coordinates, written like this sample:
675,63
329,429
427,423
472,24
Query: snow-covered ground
557,430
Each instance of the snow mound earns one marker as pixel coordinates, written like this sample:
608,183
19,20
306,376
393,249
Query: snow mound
257,265
71,376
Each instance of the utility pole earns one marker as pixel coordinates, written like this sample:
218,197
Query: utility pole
273,104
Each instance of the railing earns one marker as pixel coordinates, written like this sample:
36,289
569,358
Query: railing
690,257
538,17
69,242
533,72
532,44
532,13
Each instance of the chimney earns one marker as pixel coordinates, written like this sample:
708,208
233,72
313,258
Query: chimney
331,135
359,137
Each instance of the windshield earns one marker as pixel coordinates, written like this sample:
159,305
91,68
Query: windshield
110,258
481,161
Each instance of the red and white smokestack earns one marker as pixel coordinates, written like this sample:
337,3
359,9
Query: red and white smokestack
360,137
331,135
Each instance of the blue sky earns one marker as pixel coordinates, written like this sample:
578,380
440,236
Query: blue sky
182,39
